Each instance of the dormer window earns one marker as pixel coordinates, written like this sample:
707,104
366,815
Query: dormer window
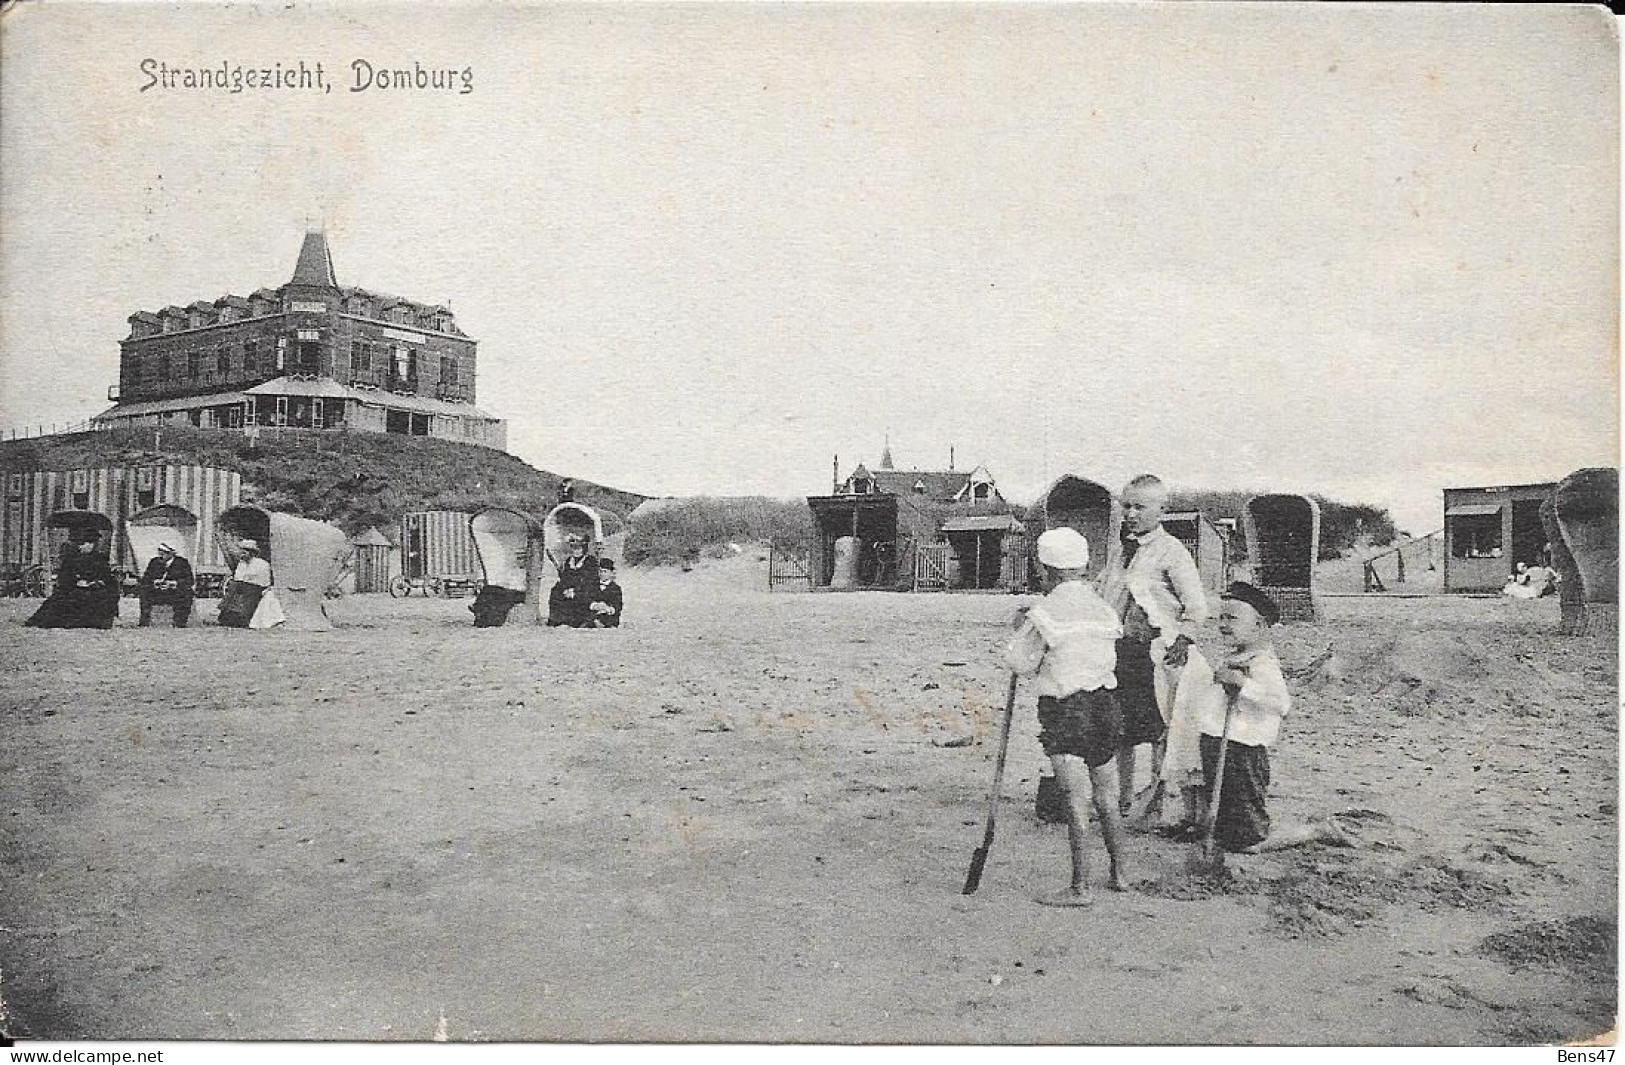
862,486
981,491
919,488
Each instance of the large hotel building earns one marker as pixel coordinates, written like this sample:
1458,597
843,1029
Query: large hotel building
311,355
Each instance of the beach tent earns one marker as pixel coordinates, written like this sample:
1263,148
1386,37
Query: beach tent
1077,503
509,546
1283,545
166,524
63,523
568,518
1582,525
503,539
307,558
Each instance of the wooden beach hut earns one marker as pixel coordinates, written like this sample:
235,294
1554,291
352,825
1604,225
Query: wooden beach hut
1206,542
437,551
1283,545
117,493
1488,531
375,562
307,558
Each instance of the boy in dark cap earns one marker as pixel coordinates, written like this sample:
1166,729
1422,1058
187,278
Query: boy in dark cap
1255,690
605,610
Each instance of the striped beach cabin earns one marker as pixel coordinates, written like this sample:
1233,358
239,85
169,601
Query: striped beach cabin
118,492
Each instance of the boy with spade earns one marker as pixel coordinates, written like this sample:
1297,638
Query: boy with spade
1068,641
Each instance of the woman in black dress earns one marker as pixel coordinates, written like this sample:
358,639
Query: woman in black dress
86,592
570,602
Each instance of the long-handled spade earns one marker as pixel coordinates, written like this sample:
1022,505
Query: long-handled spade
973,879
1209,861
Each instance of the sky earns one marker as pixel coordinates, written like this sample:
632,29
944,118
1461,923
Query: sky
1368,252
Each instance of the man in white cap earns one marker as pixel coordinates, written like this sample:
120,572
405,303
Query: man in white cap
167,581
1069,642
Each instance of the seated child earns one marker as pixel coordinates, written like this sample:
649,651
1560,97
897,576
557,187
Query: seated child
1255,689
1069,641
605,609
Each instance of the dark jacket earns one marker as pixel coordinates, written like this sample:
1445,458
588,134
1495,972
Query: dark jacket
581,578
177,569
612,597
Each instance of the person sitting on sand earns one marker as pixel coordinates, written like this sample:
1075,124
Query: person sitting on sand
1069,641
167,581
86,592
1251,682
569,603
246,588
606,605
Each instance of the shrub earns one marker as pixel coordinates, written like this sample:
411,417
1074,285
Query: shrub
682,530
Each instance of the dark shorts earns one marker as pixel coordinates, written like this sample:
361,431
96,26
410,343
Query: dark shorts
1086,725
1137,693
1243,820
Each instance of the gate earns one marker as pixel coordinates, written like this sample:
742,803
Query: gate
931,567
788,568
1013,563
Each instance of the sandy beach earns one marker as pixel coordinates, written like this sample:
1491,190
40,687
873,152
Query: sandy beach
747,816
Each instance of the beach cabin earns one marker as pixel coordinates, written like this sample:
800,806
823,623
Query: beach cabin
1488,531
437,551
915,530
375,562
1208,545
118,493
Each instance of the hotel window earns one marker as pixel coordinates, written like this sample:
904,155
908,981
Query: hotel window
222,362
163,366
192,366
448,370
251,356
360,357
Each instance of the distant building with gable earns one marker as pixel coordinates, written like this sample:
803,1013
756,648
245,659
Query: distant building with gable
312,354
917,530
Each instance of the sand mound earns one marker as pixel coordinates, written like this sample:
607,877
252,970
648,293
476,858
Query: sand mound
1578,942
1322,894
1432,673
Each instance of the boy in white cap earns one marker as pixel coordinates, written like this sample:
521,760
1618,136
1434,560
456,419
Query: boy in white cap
1069,641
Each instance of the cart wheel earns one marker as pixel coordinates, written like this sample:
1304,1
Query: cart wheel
37,581
434,588
399,588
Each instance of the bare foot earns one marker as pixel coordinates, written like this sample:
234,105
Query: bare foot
1117,881
1069,897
